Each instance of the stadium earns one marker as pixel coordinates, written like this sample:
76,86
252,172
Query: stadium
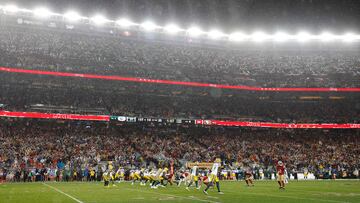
180,101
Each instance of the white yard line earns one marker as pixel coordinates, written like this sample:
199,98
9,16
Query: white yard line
57,190
176,196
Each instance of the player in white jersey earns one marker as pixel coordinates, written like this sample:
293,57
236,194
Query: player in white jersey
152,176
136,176
286,181
213,178
261,174
120,174
306,173
157,178
145,177
111,173
163,177
184,176
194,177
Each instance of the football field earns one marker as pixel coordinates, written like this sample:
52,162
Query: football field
264,191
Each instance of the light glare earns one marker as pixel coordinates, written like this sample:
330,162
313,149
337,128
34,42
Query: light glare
124,22
350,37
42,12
72,16
215,34
11,8
303,36
281,37
194,31
149,26
99,19
237,36
259,36
172,28
326,37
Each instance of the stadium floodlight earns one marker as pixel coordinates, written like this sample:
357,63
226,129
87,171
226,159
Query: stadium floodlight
172,29
149,26
303,37
11,8
72,16
42,12
123,22
350,37
215,34
259,36
99,20
281,37
326,37
237,37
194,31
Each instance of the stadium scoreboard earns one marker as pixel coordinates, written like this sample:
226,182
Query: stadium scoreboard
129,119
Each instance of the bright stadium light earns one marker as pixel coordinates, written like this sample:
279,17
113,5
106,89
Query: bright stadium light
123,22
99,20
72,16
215,34
237,37
172,29
350,37
303,37
11,8
259,36
281,37
148,26
326,37
194,31
42,12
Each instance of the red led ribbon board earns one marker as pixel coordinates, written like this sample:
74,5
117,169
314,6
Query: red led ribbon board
278,125
181,83
197,122
54,116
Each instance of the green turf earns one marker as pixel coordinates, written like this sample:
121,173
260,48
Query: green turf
264,191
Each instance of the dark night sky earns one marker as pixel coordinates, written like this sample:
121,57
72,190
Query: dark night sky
229,15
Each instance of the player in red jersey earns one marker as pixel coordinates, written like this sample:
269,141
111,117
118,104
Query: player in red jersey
249,178
280,169
183,178
170,176
204,180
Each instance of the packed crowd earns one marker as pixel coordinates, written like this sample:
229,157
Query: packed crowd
65,95
50,49
30,145
35,146
38,48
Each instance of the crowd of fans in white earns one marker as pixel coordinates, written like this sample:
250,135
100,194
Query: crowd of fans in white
36,48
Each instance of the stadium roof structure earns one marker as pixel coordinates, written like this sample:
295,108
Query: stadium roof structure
72,17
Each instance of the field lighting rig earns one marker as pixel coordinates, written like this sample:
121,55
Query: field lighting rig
72,18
